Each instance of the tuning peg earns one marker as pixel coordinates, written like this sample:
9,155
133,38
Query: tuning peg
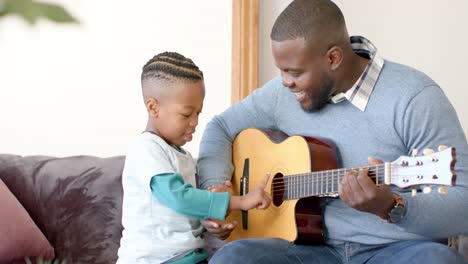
427,189
442,190
414,152
414,192
428,152
442,147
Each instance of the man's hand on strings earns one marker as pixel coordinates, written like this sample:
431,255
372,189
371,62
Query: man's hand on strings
359,191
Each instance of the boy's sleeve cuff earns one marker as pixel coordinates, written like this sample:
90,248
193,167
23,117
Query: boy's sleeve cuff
219,205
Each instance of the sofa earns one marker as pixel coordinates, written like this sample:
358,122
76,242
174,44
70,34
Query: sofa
68,210
75,204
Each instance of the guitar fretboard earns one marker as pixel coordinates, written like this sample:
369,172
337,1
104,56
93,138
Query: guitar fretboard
320,183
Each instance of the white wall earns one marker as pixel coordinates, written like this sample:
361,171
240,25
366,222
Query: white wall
429,35
74,89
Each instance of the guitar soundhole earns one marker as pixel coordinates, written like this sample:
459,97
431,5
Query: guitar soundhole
277,189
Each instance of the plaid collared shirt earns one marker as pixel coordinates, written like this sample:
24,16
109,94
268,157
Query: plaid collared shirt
359,94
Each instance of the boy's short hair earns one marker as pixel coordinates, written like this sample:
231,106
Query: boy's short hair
171,66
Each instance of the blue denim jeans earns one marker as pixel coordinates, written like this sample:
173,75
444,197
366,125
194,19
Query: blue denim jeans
270,251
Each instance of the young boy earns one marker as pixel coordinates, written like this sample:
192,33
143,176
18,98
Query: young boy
161,209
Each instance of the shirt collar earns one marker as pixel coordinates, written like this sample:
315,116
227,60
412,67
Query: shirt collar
361,91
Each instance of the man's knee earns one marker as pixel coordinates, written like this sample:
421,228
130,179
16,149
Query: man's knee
437,253
230,253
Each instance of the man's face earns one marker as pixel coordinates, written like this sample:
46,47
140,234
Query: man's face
304,71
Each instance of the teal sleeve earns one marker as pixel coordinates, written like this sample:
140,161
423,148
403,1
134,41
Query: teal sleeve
193,257
171,190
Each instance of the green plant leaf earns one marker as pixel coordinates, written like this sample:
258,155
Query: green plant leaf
56,13
31,11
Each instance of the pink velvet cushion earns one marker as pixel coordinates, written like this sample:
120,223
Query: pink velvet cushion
20,237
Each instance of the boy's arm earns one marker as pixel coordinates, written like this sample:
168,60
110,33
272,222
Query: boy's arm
171,190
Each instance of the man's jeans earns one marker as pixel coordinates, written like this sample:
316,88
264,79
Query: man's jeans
270,251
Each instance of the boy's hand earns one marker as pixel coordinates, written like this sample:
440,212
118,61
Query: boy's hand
258,198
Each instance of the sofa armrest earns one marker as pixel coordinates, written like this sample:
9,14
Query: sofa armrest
75,201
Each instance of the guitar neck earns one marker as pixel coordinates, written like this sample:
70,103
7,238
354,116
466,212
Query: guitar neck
321,183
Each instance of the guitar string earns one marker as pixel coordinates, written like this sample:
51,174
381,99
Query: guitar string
379,168
296,181
325,174
301,188
312,179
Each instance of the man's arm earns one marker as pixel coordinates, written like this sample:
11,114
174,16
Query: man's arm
257,110
430,121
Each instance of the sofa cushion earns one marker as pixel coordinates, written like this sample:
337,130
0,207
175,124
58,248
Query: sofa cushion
76,201
20,237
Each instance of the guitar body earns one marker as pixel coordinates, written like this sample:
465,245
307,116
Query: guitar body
295,220
304,168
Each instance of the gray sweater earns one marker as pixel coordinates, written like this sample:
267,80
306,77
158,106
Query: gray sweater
406,110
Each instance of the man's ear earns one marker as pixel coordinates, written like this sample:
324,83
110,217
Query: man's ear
152,106
335,57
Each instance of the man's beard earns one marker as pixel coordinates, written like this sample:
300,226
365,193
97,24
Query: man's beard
319,100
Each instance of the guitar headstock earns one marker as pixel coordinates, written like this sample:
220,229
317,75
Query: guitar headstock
435,168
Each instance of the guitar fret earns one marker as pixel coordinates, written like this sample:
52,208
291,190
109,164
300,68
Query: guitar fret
333,182
296,193
376,175
306,180
303,185
321,183
294,189
299,186
316,185
327,182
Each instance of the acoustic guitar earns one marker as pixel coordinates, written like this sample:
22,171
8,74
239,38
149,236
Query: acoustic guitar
303,169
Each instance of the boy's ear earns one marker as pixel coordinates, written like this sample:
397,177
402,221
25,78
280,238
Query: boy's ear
152,106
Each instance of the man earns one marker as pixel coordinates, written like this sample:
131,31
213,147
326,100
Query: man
336,87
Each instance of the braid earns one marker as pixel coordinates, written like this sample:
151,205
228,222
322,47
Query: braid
170,66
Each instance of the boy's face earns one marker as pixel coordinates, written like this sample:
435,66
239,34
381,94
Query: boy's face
175,116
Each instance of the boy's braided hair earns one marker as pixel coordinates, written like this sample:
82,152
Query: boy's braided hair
170,66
